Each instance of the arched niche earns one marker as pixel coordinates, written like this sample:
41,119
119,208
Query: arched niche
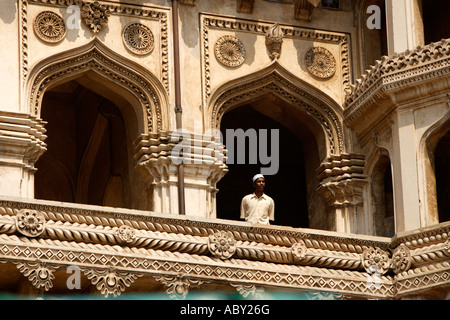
435,148
96,105
311,122
382,196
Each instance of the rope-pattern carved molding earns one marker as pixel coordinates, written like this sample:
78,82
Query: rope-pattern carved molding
134,261
106,221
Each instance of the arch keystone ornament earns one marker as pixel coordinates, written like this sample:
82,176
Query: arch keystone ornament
49,27
320,62
95,15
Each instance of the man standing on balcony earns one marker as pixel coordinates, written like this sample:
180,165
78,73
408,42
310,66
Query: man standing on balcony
258,207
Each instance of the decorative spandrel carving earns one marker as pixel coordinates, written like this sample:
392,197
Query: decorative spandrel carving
138,38
49,27
30,223
95,15
274,40
230,51
320,62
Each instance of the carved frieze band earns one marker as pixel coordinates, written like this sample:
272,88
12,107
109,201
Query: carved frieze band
160,246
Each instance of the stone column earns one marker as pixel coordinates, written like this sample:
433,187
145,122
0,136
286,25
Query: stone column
343,185
204,165
404,25
21,144
404,172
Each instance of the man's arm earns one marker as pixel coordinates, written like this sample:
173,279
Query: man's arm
272,210
244,208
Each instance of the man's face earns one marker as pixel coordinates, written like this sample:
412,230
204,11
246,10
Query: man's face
259,184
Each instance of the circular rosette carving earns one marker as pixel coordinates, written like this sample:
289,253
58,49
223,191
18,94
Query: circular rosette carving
375,261
49,27
230,51
30,223
222,244
125,234
138,38
401,259
320,62
299,250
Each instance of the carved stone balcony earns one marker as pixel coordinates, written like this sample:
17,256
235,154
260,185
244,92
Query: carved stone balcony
121,249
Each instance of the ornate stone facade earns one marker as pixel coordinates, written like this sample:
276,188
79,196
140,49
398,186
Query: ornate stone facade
94,157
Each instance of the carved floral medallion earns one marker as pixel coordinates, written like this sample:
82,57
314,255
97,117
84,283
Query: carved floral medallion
138,38
299,250
401,259
49,27
125,234
95,15
30,223
375,261
230,51
222,244
320,62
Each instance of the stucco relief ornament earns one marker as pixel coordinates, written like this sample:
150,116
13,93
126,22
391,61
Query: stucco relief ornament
49,27
299,250
230,51
375,261
222,244
138,38
274,40
401,259
30,223
95,15
125,234
320,62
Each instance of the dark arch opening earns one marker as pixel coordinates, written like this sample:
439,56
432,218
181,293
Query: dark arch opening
383,198
287,187
442,174
435,20
87,158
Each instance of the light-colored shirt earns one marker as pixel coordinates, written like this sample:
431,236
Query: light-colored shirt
256,209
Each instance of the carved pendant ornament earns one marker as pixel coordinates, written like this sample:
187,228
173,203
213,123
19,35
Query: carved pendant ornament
320,62
138,38
274,40
95,15
49,27
230,51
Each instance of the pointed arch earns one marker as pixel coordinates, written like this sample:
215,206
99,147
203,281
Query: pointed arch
125,77
276,80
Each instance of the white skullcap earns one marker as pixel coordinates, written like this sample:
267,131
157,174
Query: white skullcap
257,176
